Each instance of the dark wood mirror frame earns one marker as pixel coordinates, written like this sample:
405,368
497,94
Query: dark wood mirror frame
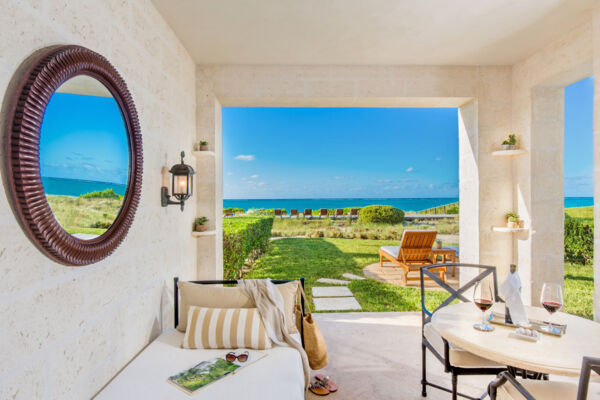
22,114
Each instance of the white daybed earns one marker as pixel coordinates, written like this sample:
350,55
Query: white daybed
279,375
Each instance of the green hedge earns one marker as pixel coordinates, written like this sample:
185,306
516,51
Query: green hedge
579,241
102,194
234,210
380,214
244,238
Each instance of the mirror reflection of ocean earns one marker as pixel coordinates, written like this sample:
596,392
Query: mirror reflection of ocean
76,187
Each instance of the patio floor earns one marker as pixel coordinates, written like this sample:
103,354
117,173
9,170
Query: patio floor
378,356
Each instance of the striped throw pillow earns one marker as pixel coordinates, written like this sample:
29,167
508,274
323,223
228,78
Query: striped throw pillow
225,328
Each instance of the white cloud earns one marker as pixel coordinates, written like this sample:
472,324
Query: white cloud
337,177
245,157
261,183
230,173
254,176
438,158
409,169
250,182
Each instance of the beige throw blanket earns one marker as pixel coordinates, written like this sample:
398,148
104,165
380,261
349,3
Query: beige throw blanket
269,302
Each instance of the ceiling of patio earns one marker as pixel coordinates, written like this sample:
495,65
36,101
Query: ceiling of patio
431,32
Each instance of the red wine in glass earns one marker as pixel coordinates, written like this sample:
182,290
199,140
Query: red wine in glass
483,298
552,300
483,304
551,306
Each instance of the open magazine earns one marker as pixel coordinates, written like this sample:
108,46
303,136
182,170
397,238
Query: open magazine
207,372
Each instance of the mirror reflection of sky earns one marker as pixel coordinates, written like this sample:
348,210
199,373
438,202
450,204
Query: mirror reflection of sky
84,138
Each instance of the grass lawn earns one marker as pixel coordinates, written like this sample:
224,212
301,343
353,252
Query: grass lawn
585,214
84,215
291,258
579,290
329,228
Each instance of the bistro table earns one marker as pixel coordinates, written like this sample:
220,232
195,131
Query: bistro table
550,355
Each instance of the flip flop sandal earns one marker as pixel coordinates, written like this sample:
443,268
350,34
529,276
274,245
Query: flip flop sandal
318,388
331,386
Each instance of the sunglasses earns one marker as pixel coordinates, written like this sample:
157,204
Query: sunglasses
231,357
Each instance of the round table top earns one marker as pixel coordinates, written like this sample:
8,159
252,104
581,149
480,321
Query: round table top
551,354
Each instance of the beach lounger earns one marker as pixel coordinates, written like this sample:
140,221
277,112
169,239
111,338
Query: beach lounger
294,212
353,213
278,213
307,213
323,212
414,252
339,213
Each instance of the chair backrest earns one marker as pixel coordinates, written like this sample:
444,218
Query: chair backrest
277,212
307,211
293,211
339,211
354,211
588,365
454,294
323,212
416,246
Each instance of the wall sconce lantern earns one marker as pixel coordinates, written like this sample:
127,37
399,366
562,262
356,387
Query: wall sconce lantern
182,184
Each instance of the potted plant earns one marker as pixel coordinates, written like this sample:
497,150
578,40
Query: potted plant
512,219
203,145
510,143
438,243
199,224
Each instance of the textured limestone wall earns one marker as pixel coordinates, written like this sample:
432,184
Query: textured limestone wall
537,118
66,331
482,93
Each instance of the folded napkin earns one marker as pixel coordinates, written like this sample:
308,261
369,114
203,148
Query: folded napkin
510,288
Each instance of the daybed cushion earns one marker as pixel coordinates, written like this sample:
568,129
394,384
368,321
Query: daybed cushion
546,390
279,375
458,356
391,250
225,328
212,296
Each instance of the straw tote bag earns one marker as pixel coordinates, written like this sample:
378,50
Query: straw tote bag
314,343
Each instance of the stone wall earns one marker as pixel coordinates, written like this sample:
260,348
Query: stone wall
537,118
66,331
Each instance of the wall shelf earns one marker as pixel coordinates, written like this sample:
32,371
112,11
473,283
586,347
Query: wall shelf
205,153
205,233
508,153
505,229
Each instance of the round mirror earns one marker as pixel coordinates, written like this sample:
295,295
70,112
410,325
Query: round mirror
72,154
84,157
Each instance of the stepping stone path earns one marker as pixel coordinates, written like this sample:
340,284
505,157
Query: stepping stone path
353,277
333,281
334,298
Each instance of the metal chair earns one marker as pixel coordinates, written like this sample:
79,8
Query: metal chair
541,389
465,363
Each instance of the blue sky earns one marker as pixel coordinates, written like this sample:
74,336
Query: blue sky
340,152
371,152
83,137
579,157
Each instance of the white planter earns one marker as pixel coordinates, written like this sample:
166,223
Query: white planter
512,224
509,147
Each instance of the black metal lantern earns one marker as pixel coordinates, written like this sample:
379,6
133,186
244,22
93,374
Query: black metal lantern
182,184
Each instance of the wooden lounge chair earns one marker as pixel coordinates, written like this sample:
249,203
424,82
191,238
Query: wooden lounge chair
323,212
293,213
414,252
353,213
278,213
307,213
339,213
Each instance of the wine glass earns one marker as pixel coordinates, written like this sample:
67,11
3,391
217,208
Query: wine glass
552,300
483,298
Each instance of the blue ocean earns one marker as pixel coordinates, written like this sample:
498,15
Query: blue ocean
406,204
76,187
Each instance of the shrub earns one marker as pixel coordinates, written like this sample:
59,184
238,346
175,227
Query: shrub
101,224
102,194
452,210
380,214
244,238
234,210
579,241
